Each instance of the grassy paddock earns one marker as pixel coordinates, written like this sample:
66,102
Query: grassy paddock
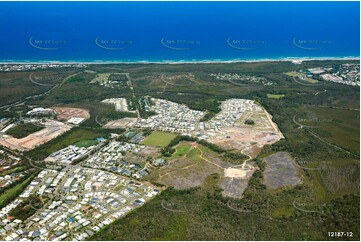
181,150
159,138
302,76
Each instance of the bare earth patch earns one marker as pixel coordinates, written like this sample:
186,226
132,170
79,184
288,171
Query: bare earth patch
52,129
191,170
65,113
280,171
248,138
120,123
235,180
238,172
233,187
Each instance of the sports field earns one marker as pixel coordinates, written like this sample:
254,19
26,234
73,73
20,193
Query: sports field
159,138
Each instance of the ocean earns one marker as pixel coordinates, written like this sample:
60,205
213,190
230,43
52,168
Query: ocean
177,31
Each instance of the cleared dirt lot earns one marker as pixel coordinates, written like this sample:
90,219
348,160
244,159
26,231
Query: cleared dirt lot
249,138
52,129
120,123
280,171
121,104
192,164
235,180
141,157
65,113
233,187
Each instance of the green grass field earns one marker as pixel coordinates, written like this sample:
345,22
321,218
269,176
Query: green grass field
301,76
159,138
292,73
195,152
275,96
181,150
117,188
23,130
86,143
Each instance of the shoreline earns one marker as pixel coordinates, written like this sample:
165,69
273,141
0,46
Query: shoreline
215,61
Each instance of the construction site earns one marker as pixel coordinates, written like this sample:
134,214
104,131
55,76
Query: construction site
52,129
